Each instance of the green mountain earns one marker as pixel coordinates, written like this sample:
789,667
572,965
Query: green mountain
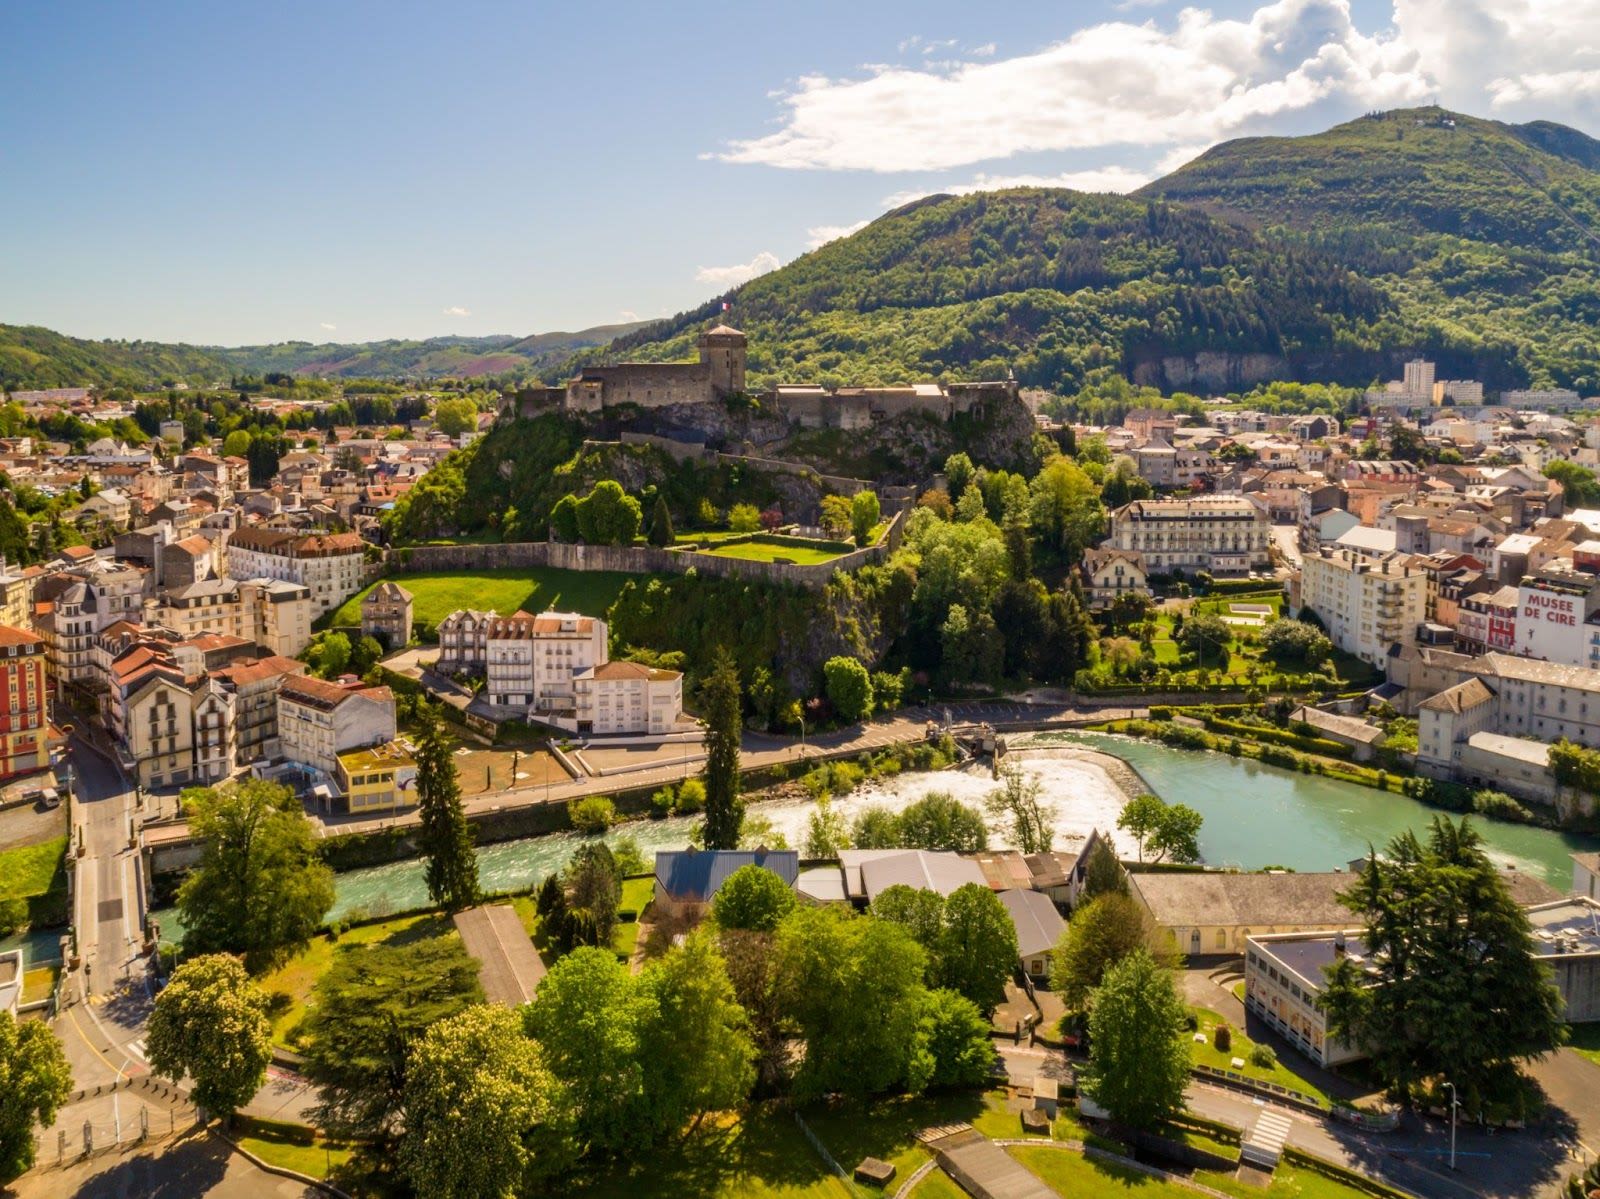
1419,171
1331,257
32,357
1050,284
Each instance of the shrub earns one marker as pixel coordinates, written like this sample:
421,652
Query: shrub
691,797
661,802
1262,1057
592,814
1222,1038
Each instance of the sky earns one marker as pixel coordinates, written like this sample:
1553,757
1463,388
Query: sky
231,173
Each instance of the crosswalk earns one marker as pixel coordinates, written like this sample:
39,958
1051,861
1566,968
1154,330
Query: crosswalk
136,1048
1263,1146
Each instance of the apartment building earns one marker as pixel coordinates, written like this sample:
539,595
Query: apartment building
1109,573
329,565
386,613
625,697
1222,534
24,717
273,613
1367,603
319,720
1284,974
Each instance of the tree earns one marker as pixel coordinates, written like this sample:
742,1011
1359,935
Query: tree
1138,1065
260,888
35,1081
608,515
329,655
719,700
483,1114
592,1017
1295,643
1207,636
958,472
849,687
826,832
364,655
367,1013
455,417
752,897
852,988
1172,830
1577,482
236,444
13,533
835,515
564,519
662,533
939,821
875,828
971,646
1017,799
916,909
957,1038
1102,873
698,1045
1102,933
210,1022
864,515
744,518
444,837
977,947
594,892
1450,985
1066,513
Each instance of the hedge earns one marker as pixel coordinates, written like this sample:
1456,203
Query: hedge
1311,745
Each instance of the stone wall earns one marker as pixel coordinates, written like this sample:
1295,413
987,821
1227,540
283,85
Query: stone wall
632,559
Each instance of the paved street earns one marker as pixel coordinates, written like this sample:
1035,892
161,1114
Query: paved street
193,1164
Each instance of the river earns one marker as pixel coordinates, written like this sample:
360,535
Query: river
1254,816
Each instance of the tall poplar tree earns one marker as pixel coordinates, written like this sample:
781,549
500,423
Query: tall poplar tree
719,698
445,839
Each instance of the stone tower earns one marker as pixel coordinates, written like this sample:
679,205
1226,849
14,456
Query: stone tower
723,350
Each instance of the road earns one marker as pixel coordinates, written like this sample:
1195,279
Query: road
108,1000
1416,1157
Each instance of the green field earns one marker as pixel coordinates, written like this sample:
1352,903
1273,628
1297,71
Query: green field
505,591
31,870
758,551
1071,1173
1209,1055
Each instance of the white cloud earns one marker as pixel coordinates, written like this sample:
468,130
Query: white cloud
739,272
457,310
984,51
1103,179
1181,82
628,314
821,235
326,325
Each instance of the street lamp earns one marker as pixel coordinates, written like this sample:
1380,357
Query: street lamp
1454,1104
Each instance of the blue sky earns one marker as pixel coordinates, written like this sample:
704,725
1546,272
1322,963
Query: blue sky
229,173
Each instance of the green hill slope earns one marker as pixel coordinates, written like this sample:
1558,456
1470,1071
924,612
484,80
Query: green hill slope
32,357
1049,283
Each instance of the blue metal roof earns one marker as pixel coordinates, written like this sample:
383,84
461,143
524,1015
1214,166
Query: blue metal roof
696,874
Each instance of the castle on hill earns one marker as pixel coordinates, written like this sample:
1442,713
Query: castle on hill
720,373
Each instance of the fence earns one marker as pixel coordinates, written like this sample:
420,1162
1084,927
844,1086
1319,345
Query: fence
822,1151
634,559
64,1145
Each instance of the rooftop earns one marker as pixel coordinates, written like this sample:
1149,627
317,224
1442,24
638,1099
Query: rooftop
1532,753
697,874
1567,926
1038,923
389,753
869,872
1227,898
509,967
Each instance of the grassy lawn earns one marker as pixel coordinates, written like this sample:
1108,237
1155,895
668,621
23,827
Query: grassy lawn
762,1155
291,1146
32,870
1586,1040
937,1185
756,551
39,982
299,974
1072,1174
1166,651
1287,1183
504,591
1209,1055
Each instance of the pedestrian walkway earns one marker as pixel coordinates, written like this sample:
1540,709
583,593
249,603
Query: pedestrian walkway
1263,1145
979,1166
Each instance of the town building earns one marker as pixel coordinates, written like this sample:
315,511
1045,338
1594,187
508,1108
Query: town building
1039,926
318,720
1367,603
1109,573
24,703
272,613
616,698
687,880
329,565
1284,974
386,615
1222,534
378,778
1217,912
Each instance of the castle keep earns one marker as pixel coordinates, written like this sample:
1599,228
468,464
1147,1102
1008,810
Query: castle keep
720,372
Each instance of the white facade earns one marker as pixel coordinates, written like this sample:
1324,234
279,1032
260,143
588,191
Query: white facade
1366,603
329,565
319,720
625,697
1219,533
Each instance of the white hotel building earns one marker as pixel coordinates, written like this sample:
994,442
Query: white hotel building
1222,534
328,564
1366,602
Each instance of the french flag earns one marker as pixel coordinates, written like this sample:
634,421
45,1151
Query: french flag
725,305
